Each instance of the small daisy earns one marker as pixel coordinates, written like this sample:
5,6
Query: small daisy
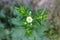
29,19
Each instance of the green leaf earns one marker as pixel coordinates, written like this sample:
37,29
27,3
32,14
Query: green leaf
22,11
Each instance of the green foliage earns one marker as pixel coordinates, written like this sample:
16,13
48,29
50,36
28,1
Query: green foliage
32,31
17,28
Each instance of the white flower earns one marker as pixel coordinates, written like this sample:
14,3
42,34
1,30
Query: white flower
29,19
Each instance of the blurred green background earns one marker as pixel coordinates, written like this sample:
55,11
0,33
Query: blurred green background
45,24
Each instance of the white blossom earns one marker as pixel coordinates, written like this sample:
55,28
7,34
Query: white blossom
29,19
